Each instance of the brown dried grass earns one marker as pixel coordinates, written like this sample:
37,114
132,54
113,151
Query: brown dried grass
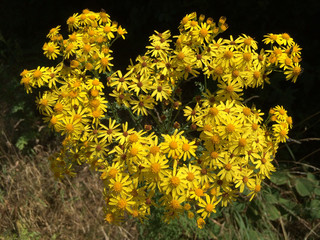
30,198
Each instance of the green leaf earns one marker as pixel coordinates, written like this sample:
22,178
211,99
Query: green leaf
271,198
317,191
311,177
21,142
287,203
315,208
17,108
304,186
280,178
272,212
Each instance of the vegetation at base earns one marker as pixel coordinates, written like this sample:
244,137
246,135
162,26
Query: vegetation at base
288,208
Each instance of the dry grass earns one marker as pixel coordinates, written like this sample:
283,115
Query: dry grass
35,206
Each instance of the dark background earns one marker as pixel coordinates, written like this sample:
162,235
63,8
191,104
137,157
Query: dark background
25,24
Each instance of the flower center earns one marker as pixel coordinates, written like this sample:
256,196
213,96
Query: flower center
230,128
185,147
228,167
209,207
69,127
175,181
218,70
96,113
180,56
247,57
214,155
117,187
113,172
175,204
37,74
122,203
213,111
246,111
204,32
198,192
154,150
133,138
155,168
242,142
229,89
134,151
104,61
228,54
245,179
95,82
190,176
173,145
215,139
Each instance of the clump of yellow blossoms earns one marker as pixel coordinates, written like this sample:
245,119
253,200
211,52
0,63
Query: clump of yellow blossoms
151,139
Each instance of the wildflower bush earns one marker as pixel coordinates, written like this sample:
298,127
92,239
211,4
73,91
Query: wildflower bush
174,130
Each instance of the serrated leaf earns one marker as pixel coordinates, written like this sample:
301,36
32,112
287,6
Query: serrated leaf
279,178
272,212
304,186
21,142
17,108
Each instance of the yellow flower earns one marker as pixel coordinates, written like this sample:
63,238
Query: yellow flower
229,168
51,50
174,184
120,81
120,185
192,173
46,102
70,127
230,90
140,106
246,42
123,136
293,72
272,38
99,149
172,144
104,63
161,90
39,76
121,203
140,84
192,114
203,33
264,164
188,149
54,31
197,192
207,206
155,168
280,132
73,22
109,132
121,32
255,188
244,178
200,223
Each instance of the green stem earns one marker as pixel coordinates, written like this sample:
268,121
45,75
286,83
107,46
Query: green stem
135,120
205,83
154,118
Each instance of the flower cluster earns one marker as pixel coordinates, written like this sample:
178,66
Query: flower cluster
152,142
